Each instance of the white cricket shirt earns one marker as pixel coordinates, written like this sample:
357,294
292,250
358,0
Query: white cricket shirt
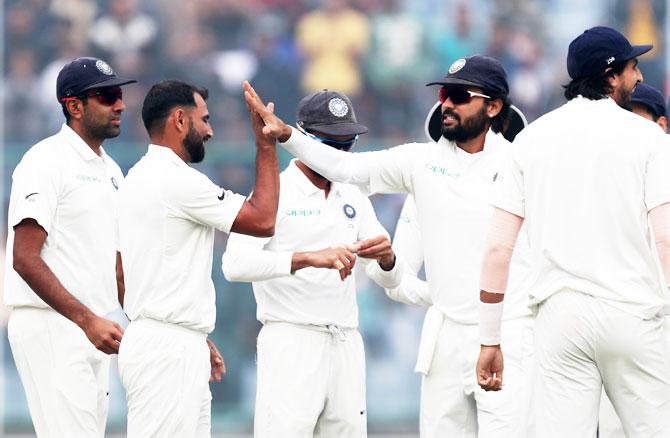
584,176
306,221
72,193
452,190
167,215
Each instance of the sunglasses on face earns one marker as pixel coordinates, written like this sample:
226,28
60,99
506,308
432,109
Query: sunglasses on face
459,95
344,145
105,96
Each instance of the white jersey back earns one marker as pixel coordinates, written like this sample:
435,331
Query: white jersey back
584,176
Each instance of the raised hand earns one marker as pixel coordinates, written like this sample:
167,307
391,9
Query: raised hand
273,125
339,258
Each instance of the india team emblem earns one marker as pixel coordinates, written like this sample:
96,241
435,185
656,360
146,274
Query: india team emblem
456,66
104,67
349,211
338,107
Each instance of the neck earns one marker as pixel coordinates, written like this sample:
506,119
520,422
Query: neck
316,179
474,145
174,146
92,142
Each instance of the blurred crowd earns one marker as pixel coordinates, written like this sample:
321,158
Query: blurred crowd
378,52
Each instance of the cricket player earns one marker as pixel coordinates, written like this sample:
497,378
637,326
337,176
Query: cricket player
588,177
648,102
167,215
450,180
311,363
62,260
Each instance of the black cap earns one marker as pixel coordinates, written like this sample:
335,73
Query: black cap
478,71
650,97
592,52
84,74
329,112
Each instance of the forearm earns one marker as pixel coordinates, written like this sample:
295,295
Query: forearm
412,290
41,279
251,264
335,165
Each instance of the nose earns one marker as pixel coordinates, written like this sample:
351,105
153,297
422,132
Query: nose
447,104
119,106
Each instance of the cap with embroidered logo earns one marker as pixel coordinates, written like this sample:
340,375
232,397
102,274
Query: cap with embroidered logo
477,71
328,112
84,74
598,48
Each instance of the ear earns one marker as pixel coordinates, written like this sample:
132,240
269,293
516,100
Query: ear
180,120
663,123
76,108
494,107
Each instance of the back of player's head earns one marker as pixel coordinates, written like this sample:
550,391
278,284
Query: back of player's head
165,96
597,54
651,99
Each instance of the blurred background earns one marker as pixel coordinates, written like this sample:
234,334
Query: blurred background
378,52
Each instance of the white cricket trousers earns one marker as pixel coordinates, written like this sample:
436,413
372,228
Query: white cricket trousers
311,382
165,369
584,344
66,379
453,404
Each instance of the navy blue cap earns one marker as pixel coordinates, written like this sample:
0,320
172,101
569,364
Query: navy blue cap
650,97
84,74
593,51
329,112
477,71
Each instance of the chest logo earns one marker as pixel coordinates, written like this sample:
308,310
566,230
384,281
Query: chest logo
115,184
349,211
302,212
439,170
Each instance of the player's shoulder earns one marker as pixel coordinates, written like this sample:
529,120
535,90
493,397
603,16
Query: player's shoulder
47,155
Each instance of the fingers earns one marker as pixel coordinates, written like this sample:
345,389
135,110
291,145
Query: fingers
374,248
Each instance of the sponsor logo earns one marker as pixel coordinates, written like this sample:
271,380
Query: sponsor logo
223,195
495,177
34,193
609,60
115,184
87,178
302,212
441,171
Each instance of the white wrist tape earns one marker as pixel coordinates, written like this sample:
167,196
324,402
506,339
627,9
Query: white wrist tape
490,320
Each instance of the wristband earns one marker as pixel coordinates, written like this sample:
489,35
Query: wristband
490,319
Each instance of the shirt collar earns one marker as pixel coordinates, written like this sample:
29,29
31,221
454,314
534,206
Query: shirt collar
79,145
306,186
165,153
491,141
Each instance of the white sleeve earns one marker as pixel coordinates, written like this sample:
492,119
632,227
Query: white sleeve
194,197
386,171
245,259
660,224
509,191
657,177
34,194
408,245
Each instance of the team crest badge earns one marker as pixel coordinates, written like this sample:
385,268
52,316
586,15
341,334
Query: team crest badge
104,67
349,211
456,66
338,107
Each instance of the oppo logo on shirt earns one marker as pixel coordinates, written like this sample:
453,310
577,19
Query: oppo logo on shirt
87,178
303,213
441,171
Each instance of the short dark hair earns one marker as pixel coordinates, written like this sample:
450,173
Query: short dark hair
593,87
163,97
498,122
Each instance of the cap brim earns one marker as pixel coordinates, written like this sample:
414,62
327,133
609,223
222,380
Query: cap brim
344,128
111,82
639,50
454,81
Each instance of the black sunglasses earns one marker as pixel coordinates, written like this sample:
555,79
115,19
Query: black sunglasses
459,95
106,96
